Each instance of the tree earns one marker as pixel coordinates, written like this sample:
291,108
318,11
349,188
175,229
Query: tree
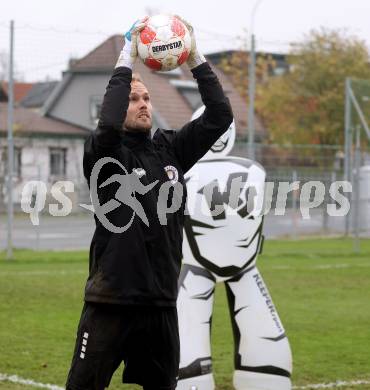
236,67
306,105
3,65
4,68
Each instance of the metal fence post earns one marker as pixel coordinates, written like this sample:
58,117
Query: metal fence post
38,226
295,205
356,222
347,144
325,217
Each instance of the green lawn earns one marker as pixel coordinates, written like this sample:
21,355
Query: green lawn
321,290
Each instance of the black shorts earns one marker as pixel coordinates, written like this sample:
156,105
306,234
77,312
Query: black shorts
146,339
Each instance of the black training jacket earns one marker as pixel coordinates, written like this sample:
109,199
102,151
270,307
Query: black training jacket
140,266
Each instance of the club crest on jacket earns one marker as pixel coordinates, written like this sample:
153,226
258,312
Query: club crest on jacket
172,173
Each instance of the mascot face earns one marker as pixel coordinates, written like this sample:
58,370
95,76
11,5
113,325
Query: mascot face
223,228
224,223
222,147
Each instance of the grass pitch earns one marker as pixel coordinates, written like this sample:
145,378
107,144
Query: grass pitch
320,287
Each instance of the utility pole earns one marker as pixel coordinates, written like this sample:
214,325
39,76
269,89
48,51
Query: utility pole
251,91
252,85
9,255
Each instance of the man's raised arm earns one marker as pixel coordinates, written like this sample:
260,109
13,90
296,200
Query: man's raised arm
196,137
116,99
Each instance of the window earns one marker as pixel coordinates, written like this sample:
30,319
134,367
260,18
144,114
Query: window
17,164
189,90
192,97
17,161
279,71
96,102
58,161
3,160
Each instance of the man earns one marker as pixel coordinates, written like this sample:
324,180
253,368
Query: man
130,296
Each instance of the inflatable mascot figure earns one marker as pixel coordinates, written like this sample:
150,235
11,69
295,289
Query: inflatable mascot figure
222,240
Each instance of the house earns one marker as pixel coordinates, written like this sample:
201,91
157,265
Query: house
44,149
20,91
38,94
280,67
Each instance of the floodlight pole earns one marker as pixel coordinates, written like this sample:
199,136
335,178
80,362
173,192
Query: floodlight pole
9,254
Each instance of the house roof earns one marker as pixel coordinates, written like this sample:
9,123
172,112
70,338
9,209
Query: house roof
38,94
103,57
20,90
167,100
27,121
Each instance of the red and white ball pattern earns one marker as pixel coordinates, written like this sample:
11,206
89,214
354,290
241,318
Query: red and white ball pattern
164,43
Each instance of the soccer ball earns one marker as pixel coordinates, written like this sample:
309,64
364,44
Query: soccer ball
164,43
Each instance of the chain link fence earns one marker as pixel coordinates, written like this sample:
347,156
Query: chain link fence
308,165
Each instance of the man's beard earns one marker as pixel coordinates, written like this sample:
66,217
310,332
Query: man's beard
136,128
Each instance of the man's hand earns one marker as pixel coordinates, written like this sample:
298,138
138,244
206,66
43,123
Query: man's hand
128,54
195,57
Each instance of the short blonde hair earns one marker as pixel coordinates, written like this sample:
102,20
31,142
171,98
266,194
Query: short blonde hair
136,78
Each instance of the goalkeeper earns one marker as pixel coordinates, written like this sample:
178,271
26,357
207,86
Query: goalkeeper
130,311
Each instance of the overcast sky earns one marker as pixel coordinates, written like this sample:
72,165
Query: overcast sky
49,33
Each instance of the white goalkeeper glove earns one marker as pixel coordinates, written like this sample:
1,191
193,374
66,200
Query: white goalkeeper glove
128,54
195,57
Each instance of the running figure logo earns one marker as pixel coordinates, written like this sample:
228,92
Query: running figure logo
129,185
